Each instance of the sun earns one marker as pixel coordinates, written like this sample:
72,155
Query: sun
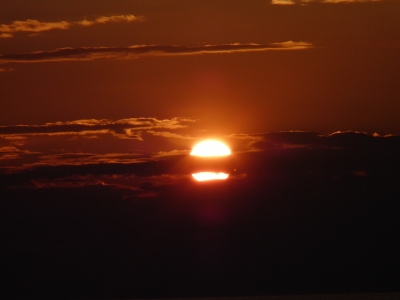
210,148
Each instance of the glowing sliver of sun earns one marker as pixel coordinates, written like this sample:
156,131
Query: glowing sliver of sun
204,176
210,148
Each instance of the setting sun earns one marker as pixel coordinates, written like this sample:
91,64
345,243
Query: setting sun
210,148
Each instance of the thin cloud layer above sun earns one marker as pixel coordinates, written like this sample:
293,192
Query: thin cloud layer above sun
90,53
124,128
35,26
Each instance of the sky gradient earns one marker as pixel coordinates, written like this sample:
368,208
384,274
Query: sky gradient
102,102
334,64
229,66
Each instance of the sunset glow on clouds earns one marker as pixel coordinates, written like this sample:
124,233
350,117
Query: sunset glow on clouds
93,126
133,52
8,30
136,140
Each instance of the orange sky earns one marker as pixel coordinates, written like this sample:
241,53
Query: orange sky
101,103
234,66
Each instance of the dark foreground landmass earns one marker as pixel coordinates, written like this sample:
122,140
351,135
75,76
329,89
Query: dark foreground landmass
288,221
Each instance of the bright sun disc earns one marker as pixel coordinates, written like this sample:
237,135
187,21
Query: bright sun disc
203,176
210,148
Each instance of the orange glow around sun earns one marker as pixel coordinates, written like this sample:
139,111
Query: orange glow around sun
210,148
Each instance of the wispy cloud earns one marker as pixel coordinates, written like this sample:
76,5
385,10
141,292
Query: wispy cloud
8,149
173,152
168,134
9,154
283,2
124,128
35,26
5,35
89,141
292,45
90,53
73,159
103,20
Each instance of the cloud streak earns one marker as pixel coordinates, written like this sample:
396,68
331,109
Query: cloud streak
5,35
124,128
88,141
90,53
35,26
76,159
